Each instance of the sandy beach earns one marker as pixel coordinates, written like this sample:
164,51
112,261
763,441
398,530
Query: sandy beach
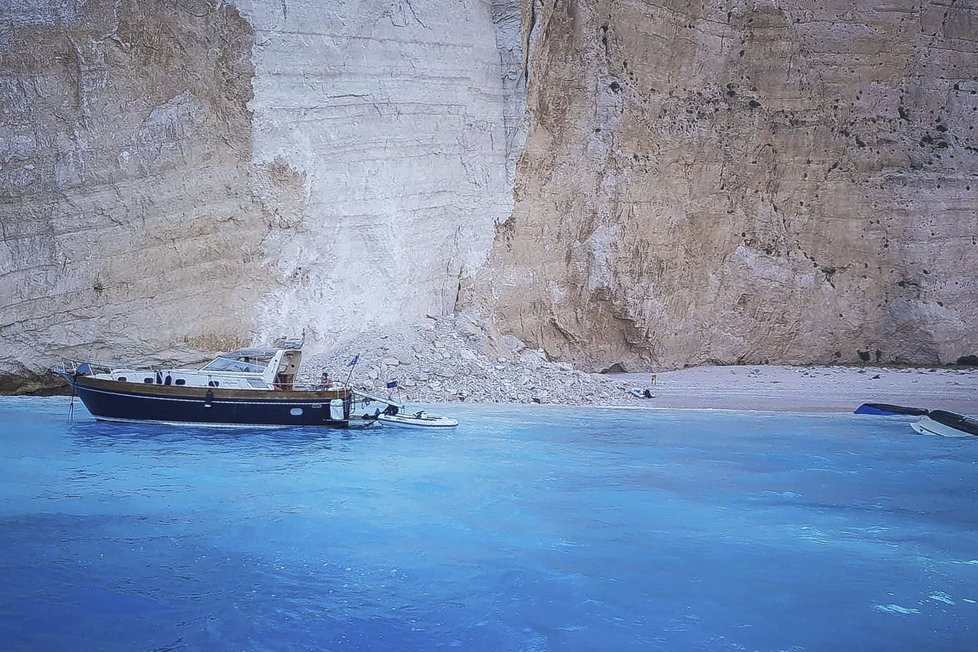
811,389
460,358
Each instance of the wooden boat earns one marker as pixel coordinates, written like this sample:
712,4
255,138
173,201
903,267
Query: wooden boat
946,424
885,409
248,387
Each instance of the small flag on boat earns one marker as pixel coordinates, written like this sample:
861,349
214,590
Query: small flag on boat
353,361
392,384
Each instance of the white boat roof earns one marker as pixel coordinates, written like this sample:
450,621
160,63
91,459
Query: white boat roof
250,353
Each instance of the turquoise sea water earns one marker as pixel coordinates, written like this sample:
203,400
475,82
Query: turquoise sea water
524,529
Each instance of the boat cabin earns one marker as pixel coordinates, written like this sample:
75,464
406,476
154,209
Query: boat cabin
240,369
276,367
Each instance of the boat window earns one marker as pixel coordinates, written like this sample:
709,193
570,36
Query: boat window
180,381
122,379
228,364
213,383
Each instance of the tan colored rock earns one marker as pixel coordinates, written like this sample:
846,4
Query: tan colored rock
129,226
748,182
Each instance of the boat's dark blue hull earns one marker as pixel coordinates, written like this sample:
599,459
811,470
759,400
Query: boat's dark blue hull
116,401
959,422
886,409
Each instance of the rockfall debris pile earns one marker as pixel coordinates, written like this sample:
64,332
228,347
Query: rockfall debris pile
458,358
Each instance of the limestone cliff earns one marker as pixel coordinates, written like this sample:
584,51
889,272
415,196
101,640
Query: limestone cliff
185,175
125,145
744,182
620,183
393,116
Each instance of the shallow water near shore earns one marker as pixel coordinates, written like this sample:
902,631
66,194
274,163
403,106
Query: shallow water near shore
523,529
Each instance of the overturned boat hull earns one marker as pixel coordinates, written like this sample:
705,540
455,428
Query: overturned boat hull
946,424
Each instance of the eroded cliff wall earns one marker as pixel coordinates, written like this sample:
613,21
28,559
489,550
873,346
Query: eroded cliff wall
393,118
188,175
744,181
125,146
790,182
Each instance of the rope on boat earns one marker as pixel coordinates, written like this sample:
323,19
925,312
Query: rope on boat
71,404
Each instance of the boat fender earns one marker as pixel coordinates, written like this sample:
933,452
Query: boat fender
209,398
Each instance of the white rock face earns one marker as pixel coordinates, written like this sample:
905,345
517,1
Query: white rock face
394,116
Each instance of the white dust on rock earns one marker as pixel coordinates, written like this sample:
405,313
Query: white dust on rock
459,358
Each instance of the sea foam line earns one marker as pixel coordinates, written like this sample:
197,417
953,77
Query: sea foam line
894,609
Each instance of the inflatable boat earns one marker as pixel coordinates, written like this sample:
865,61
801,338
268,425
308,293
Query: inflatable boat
417,420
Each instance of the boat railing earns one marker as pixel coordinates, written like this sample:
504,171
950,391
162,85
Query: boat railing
293,343
80,368
366,399
309,387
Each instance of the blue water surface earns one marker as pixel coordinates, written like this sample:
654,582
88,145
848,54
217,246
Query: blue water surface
532,529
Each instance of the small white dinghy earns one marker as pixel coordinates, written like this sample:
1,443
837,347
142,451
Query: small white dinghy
417,420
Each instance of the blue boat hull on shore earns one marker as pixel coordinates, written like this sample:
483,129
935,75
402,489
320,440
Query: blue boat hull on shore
885,409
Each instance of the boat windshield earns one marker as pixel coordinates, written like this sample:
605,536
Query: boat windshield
229,364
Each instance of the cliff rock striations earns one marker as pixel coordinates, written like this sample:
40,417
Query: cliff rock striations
618,184
744,182
392,118
184,175
128,222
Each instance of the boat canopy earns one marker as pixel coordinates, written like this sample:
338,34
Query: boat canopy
242,360
240,354
228,364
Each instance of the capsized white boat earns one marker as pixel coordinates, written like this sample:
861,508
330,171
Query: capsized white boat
417,420
946,424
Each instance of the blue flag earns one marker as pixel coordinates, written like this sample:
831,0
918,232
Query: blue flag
392,384
353,361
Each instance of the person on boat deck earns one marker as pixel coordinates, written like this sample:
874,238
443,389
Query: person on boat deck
325,381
